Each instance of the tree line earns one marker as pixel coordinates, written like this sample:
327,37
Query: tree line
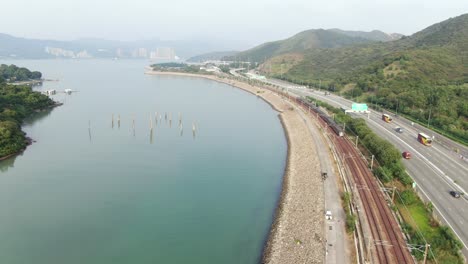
12,73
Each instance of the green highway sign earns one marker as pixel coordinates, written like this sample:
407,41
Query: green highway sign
359,107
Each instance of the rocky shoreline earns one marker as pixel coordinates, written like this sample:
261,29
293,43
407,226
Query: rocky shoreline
297,233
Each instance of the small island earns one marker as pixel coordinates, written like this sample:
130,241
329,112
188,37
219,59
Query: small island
16,103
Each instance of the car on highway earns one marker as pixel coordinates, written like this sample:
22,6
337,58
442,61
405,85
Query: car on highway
399,130
455,194
406,155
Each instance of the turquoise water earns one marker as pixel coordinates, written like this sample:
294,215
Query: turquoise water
87,192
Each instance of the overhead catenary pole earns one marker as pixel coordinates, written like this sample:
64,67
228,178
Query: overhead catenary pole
372,162
393,194
369,242
425,253
357,138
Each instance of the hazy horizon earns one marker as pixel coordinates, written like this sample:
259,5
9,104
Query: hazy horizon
247,23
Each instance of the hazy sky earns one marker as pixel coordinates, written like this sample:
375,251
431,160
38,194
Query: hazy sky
249,21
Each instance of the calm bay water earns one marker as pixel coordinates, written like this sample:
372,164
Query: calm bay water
89,193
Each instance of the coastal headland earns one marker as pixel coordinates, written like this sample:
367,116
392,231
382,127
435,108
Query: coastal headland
297,231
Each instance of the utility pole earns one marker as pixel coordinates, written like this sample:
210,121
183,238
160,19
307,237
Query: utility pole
357,138
396,107
429,118
425,253
344,127
372,162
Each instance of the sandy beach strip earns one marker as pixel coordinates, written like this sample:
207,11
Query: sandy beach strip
297,233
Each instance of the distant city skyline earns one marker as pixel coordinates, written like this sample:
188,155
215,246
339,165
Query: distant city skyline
245,22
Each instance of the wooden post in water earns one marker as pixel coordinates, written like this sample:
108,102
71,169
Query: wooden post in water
151,123
118,121
112,120
156,117
193,129
133,125
165,116
89,130
170,119
181,130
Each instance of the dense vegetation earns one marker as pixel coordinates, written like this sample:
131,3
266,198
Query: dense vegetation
418,221
423,76
13,73
303,41
16,103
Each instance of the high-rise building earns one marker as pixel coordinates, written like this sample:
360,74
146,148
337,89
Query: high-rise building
142,53
163,53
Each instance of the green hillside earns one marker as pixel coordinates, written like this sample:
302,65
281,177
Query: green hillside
424,76
217,55
301,42
374,35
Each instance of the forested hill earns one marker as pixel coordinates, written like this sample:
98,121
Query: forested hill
309,40
218,55
16,103
423,76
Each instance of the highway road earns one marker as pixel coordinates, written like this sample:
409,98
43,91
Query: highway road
436,170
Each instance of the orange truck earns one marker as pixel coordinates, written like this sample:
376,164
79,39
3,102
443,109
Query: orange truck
425,139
